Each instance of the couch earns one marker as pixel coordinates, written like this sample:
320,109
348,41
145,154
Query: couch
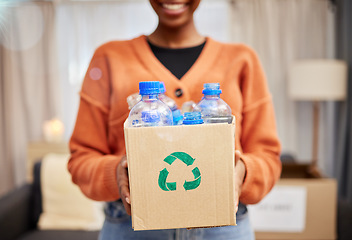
19,214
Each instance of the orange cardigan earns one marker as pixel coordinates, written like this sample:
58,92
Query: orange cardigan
97,143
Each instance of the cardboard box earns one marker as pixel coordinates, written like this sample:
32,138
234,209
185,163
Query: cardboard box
181,176
301,208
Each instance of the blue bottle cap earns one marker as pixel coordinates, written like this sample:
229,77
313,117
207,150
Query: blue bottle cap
162,87
151,87
150,116
191,118
212,89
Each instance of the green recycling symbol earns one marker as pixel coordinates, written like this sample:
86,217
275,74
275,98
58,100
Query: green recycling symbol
171,186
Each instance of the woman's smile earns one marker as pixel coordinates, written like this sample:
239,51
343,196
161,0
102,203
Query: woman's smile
174,13
174,8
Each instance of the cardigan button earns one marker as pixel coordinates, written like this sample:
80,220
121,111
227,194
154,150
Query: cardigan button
178,92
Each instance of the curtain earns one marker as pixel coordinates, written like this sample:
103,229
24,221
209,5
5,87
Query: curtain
28,86
343,171
282,32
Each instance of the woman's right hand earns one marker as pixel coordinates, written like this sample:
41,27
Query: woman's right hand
123,184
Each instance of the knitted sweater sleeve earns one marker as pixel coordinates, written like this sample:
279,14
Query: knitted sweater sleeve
259,140
92,166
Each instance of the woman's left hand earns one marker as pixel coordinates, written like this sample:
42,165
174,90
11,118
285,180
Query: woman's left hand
240,173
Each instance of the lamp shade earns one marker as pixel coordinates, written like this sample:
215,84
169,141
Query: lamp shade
318,80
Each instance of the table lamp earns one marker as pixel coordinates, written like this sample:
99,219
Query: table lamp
317,80
53,130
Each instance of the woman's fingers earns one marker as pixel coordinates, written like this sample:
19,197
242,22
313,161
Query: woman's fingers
237,156
240,172
123,184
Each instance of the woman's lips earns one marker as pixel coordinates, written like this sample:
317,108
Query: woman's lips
174,8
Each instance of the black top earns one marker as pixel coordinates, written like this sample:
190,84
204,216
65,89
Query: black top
177,60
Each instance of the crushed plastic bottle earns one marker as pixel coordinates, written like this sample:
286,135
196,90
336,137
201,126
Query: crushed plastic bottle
213,109
150,111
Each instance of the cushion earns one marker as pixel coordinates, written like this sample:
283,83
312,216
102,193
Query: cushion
64,205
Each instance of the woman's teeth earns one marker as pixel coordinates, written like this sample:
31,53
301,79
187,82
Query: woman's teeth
173,6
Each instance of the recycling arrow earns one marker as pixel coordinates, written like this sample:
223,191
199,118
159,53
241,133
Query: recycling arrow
191,184
188,185
196,172
184,157
162,181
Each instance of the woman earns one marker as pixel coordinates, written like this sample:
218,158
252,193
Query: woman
178,55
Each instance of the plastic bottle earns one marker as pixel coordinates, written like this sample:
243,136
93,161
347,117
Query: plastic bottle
167,100
150,111
177,117
191,118
176,113
188,106
150,118
133,99
212,107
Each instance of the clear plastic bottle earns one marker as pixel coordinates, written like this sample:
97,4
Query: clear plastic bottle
176,113
150,118
212,107
150,111
188,106
192,118
177,117
167,100
133,99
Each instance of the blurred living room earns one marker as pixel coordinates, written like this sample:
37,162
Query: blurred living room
304,47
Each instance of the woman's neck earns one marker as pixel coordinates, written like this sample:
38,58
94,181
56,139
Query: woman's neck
183,37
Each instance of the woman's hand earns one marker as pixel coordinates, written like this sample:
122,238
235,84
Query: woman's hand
240,173
123,184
